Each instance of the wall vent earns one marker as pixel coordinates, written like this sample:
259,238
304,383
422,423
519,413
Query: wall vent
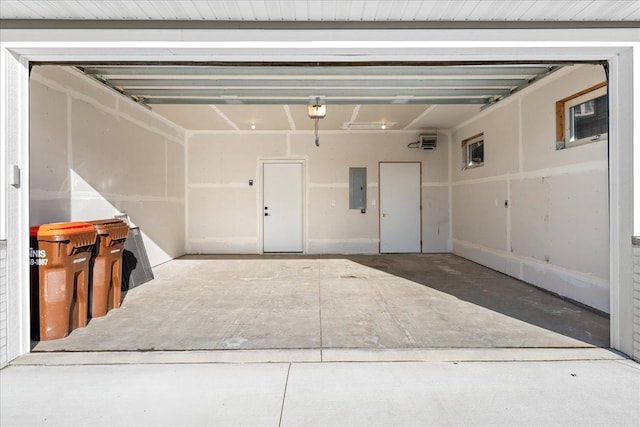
428,142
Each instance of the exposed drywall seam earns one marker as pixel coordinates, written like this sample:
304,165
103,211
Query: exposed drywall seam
216,185
575,169
520,138
187,140
354,113
166,169
288,139
114,112
122,98
449,134
33,193
87,195
507,202
287,112
426,112
518,96
507,255
329,185
225,118
108,106
303,132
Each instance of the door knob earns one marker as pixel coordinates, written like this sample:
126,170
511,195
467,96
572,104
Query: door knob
383,215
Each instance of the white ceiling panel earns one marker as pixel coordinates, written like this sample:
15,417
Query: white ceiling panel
193,117
264,117
328,11
400,115
444,116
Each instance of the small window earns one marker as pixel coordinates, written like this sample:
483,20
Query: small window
583,118
473,152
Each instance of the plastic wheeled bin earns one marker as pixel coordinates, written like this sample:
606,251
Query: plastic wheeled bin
106,266
59,258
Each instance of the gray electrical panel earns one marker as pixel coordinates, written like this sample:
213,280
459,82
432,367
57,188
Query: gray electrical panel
358,188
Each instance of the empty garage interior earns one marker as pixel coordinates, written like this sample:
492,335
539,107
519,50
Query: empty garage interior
505,246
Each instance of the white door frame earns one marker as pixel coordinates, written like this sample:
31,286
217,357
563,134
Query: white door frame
261,163
19,47
380,213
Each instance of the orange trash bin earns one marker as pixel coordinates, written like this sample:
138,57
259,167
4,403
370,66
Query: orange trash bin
59,258
106,266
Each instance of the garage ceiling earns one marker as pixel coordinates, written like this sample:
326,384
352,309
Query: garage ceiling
359,96
346,83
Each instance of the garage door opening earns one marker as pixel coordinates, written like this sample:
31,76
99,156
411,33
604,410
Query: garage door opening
188,173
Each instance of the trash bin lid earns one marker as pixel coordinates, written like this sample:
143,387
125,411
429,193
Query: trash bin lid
63,231
106,221
113,227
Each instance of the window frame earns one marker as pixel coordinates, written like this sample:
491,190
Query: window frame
563,125
467,163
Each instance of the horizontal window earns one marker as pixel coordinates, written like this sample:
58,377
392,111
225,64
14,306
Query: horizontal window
583,117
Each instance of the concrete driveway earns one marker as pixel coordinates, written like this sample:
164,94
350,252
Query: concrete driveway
156,392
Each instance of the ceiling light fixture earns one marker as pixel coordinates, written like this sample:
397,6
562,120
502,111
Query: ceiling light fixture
383,126
253,126
317,111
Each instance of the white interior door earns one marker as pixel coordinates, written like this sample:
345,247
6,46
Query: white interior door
400,219
282,208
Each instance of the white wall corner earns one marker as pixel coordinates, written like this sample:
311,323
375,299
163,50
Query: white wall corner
624,82
14,141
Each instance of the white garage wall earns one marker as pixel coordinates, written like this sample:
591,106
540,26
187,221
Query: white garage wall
95,154
224,213
555,231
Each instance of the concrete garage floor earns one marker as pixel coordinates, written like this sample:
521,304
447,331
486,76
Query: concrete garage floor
429,340
335,303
